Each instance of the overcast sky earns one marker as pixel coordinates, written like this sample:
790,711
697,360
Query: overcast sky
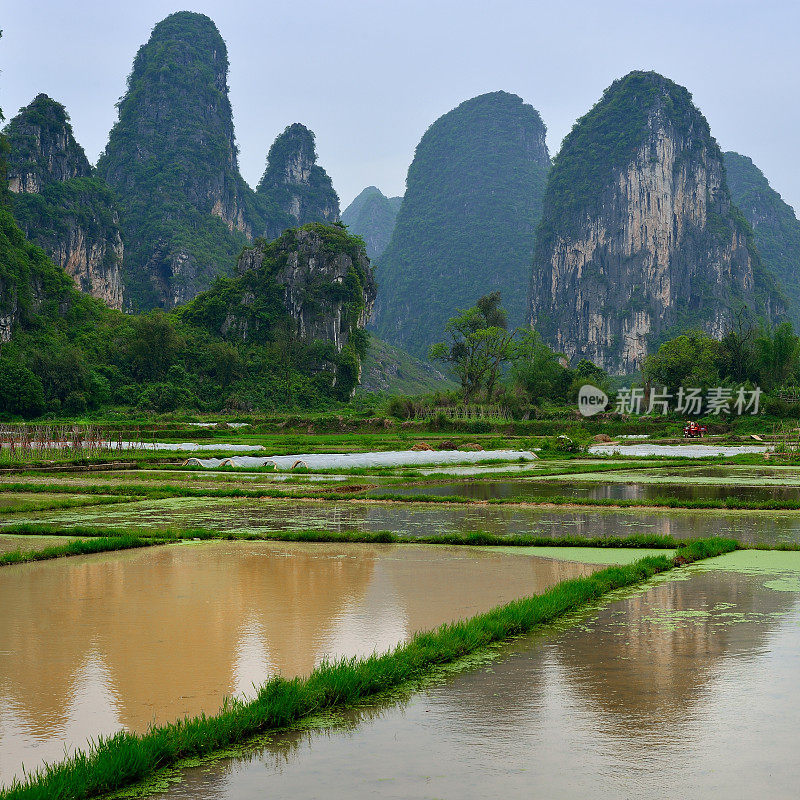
368,76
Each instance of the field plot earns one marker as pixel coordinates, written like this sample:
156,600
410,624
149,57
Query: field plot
118,641
152,635
622,699
251,516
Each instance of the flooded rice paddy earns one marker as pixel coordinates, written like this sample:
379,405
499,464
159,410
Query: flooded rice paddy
238,515
594,490
681,688
686,688
97,643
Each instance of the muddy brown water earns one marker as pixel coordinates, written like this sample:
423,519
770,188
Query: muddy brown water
92,644
430,519
685,689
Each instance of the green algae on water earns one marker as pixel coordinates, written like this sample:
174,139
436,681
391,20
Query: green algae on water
762,562
585,555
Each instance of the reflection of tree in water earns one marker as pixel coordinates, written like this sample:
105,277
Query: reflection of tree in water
643,663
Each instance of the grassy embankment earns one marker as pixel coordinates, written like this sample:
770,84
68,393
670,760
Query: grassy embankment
81,547
125,758
23,507
474,538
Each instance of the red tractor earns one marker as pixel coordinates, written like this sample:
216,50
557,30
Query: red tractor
694,430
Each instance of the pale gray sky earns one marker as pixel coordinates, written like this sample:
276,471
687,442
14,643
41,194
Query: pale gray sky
368,77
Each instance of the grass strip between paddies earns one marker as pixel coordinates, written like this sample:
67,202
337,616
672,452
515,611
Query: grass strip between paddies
473,538
80,547
125,758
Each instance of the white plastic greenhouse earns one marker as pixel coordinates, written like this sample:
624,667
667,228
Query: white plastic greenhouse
390,458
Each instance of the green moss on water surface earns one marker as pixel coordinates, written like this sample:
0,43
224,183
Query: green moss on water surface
757,561
585,555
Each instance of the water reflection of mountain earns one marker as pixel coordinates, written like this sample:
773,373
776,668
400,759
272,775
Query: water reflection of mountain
559,715
133,637
641,663
166,624
645,662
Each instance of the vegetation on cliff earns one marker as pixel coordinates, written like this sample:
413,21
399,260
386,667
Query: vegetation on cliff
604,141
299,306
390,370
70,353
295,183
60,203
775,225
372,216
172,157
466,224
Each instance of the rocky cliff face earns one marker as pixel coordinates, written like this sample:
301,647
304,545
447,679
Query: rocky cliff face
325,278
312,288
372,216
295,182
639,238
43,148
774,223
172,156
466,224
60,204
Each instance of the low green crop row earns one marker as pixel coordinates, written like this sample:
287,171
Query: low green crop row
79,547
474,538
126,758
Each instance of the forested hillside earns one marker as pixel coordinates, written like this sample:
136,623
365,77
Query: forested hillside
774,223
466,224
372,216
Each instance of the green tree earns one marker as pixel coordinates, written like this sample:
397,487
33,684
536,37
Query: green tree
776,351
690,360
537,370
154,346
21,392
480,345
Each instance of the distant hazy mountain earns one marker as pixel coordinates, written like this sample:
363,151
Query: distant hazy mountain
776,227
466,224
372,216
